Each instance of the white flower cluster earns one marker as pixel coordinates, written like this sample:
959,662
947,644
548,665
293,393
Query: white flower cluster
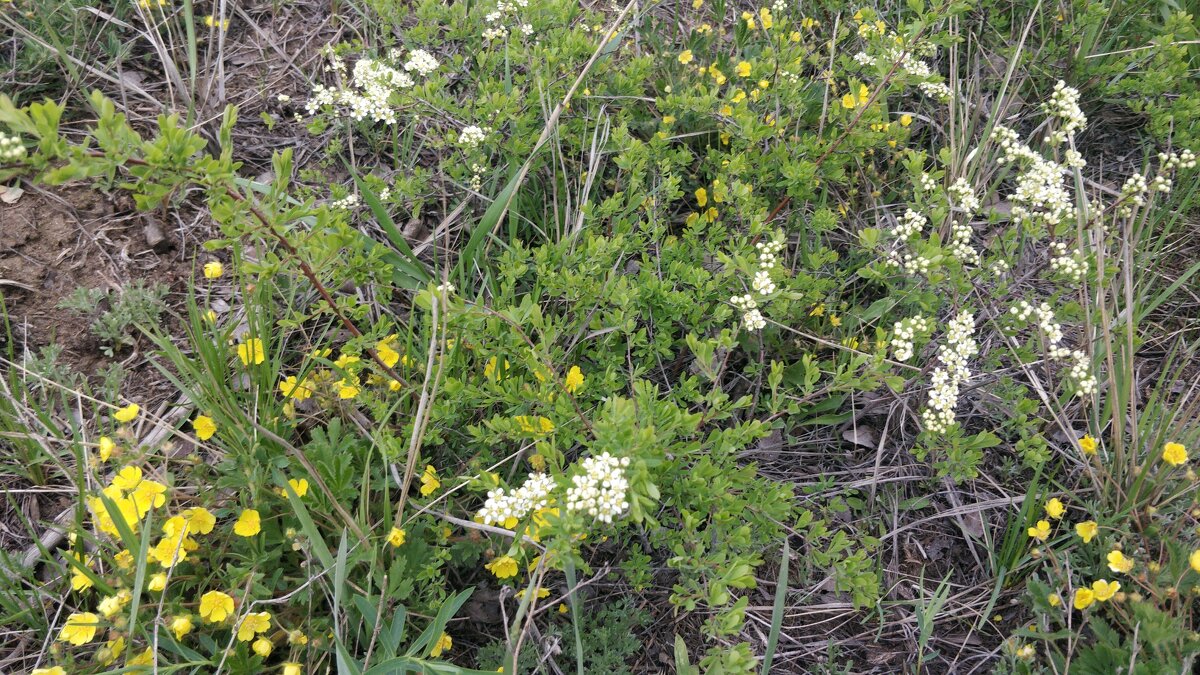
1181,160
936,90
1080,368
903,334
10,147
1071,264
1064,105
963,195
1042,192
907,58
909,63
373,83
779,7
505,17
476,181
601,489
913,223
768,258
472,136
422,62
946,380
348,202
1133,193
925,183
502,506
752,318
912,264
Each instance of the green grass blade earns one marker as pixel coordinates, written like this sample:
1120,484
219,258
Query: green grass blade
781,586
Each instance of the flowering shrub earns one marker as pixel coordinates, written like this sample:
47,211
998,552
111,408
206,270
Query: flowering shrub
659,276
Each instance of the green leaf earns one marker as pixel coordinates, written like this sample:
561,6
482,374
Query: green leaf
411,273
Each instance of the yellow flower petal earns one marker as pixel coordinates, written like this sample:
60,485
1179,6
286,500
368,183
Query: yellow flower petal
248,524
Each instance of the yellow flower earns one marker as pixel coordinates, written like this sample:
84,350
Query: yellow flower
1104,590
146,658
1084,597
290,388
55,670
717,75
562,608
443,644
296,637
1088,445
835,320
109,606
743,69
396,537
1055,508
204,427
211,22
384,351
112,605
808,23
1053,599
253,624
181,625
172,549
1041,531
111,651
905,120
292,668
1194,560
248,524
696,4
200,520
685,57
764,17
429,481
574,379
251,352
1174,454
215,606
701,196
262,646
157,582
79,580
1118,562
127,414
214,269
503,567
347,388
210,316
128,478
864,94
1086,530
106,448
490,370
124,560
299,486
79,629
